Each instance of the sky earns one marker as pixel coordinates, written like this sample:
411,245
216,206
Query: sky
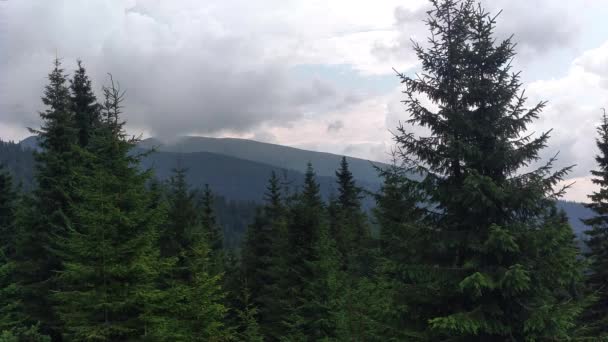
314,74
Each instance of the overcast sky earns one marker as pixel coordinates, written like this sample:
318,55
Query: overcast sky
315,74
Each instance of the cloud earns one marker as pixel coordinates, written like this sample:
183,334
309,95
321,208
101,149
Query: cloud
536,33
187,68
335,126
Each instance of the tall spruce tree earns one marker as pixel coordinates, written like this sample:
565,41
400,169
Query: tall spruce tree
307,219
84,105
10,315
182,227
8,207
47,216
189,305
597,315
347,221
263,262
405,244
213,230
491,275
110,258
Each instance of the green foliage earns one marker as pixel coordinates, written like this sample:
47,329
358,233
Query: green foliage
348,223
24,334
490,232
110,259
596,316
188,303
264,260
189,309
212,230
249,327
47,216
10,313
84,105
306,217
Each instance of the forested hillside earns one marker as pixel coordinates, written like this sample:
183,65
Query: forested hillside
270,154
238,181
112,242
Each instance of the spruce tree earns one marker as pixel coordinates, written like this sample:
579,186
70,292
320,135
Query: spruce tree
307,218
347,220
189,305
307,214
249,329
84,105
8,207
404,245
491,274
10,315
264,256
110,259
182,225
596,316
215,236
47,216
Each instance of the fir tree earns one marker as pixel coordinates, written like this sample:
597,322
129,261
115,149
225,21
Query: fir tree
84,105
264,255
597,315
347,220
10,316
307,218
209,223
189,304
8,204
110,259
487,277
249,328
47,216
405,244
182,222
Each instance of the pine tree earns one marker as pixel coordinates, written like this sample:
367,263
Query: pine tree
10,315
84,105
249,328
47,216
264,255
110,259
189,304
597,315
307,218
488,275
398,212
182,226
348,221
405,244
215,236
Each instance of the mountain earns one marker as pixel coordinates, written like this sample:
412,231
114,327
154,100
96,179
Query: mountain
230,177
238,169
30,143
284,157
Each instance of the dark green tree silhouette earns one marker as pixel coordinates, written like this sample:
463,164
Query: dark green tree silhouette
491,274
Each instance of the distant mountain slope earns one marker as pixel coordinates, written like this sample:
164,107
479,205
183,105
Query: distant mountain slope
228,176
280,156
242,178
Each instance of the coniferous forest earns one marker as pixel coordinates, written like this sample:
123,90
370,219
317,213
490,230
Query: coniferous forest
464,241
